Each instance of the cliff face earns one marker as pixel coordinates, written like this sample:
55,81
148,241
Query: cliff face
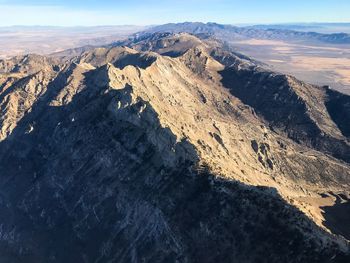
170,150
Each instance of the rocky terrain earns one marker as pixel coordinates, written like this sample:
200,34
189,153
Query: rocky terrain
170,148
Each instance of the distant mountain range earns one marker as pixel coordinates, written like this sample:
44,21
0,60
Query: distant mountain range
325,28
229,32
19,40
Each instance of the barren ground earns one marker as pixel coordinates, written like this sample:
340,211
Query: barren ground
314,63
45,40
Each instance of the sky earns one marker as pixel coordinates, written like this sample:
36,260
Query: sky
150,12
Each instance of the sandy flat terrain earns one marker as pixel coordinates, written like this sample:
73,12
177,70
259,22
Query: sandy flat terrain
45,40
314,63
340,66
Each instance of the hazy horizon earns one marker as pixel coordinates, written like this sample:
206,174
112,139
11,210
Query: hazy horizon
151,12
179,22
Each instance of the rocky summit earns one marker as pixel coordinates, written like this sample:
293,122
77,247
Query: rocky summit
170,147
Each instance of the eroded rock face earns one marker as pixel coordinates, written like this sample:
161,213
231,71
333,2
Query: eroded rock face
291,107
125,156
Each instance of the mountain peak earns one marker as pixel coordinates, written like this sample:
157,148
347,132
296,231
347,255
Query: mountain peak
173,146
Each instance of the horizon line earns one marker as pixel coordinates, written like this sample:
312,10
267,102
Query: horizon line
150,25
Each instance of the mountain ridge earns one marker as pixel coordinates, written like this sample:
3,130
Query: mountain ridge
234,32
121,148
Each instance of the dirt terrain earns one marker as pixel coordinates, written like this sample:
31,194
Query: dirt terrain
318,64
20,40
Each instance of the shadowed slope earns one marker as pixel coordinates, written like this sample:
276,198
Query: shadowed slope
100,187
116,160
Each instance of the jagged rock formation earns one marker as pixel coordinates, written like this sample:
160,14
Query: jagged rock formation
172,149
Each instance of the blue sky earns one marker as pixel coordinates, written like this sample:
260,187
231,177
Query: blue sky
146,12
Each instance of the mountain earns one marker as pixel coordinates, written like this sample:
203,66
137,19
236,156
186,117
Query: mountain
170,148
229,32
325,28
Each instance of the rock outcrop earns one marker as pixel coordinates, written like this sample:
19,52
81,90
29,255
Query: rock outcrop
169,149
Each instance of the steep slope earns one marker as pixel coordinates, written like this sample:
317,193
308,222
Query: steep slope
129,156
338,106
302,114
291,107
